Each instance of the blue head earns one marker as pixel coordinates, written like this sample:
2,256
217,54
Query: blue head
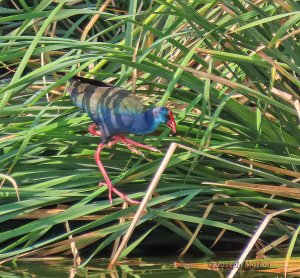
161,115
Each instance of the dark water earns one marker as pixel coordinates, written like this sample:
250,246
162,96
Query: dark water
63,268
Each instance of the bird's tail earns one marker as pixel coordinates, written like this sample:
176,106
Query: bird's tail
89,81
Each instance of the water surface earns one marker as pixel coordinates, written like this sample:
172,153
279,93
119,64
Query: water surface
152,268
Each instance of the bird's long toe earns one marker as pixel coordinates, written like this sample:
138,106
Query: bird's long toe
123,196
137,152
130,142
109,190
154,150
112,189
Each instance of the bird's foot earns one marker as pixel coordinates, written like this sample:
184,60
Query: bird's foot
135,151
129,143
111,189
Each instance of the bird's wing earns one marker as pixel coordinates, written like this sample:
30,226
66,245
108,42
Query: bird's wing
100,100
125,102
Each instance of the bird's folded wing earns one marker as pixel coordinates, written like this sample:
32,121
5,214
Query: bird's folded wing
98,100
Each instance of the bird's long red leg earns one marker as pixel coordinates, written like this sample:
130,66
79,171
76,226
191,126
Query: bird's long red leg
127,142
122,139
111,188
93,131
108,183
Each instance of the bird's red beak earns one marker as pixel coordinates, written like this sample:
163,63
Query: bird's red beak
171,122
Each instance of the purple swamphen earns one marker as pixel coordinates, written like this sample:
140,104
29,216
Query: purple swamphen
115,112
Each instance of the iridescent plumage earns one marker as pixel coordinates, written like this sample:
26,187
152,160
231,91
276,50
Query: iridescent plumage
116,111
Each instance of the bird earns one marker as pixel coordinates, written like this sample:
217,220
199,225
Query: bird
116,112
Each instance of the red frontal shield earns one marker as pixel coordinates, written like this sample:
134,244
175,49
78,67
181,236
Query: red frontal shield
171,123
